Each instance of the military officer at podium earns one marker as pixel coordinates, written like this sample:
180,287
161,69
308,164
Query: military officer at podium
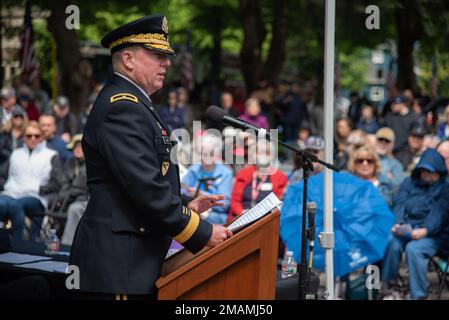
135,207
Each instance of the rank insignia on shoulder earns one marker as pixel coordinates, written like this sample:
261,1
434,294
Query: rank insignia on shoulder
164,168
124,96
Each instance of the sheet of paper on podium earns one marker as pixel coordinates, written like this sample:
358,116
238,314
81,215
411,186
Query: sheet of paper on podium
258,211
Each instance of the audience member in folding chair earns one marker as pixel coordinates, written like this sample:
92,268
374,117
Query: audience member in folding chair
71,201
33,174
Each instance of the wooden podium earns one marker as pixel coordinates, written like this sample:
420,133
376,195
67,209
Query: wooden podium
241,268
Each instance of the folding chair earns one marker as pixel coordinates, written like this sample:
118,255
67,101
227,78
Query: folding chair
50,217
55,214
440,263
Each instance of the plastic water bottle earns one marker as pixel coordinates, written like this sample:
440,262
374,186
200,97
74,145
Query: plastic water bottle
52,242
289,266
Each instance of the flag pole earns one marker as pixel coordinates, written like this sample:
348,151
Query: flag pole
327,236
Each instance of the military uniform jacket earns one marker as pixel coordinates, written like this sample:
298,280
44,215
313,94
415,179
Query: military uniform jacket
135,207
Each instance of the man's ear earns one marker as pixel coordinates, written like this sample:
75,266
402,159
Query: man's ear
128,59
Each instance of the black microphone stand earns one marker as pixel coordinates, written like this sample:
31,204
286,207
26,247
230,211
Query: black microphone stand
307,166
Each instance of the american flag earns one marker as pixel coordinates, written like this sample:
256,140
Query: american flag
187,66
434,80
28,58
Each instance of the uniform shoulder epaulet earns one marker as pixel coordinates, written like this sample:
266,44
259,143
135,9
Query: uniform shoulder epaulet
124,96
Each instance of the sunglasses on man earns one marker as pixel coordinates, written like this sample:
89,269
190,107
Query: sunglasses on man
35,136
383,140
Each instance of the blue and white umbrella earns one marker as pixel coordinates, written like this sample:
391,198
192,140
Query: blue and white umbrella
362,222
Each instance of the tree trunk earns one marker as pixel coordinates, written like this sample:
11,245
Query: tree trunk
75,73
409,28
406,74
276,56
254,35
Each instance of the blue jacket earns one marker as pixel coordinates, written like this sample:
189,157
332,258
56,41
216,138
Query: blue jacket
57,144
221,186
423,205
386,189
174,120
390,165
368,127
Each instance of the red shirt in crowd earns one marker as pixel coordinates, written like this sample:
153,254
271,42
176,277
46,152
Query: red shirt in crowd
249,189
32,112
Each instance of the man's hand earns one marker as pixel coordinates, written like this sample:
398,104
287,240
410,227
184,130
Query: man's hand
419,233
219,234
394,230
66,137
205,202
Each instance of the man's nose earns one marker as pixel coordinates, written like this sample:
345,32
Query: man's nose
166,63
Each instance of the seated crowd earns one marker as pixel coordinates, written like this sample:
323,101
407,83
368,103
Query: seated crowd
43,170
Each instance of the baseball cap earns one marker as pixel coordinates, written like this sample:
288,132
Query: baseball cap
315,143
399,99
385,133
418,131
62,101
7,92
76,138
18,111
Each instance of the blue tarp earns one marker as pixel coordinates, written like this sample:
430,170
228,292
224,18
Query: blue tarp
362,221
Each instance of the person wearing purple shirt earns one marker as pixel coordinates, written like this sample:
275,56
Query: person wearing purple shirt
253,114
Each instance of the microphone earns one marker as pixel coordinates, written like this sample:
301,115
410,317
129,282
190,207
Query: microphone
218,115
311,211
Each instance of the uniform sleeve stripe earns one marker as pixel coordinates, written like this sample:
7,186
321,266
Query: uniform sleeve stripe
190,229
124,96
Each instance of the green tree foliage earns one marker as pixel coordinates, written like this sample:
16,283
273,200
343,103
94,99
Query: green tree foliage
215,27
43,40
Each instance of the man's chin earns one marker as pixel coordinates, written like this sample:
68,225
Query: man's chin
156,86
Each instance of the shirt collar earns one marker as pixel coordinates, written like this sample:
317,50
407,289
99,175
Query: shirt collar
138,87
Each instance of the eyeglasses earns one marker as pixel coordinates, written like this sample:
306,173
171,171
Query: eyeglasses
383,140
18,116
361,161
36,136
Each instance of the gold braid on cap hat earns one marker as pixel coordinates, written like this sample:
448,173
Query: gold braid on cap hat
155,40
